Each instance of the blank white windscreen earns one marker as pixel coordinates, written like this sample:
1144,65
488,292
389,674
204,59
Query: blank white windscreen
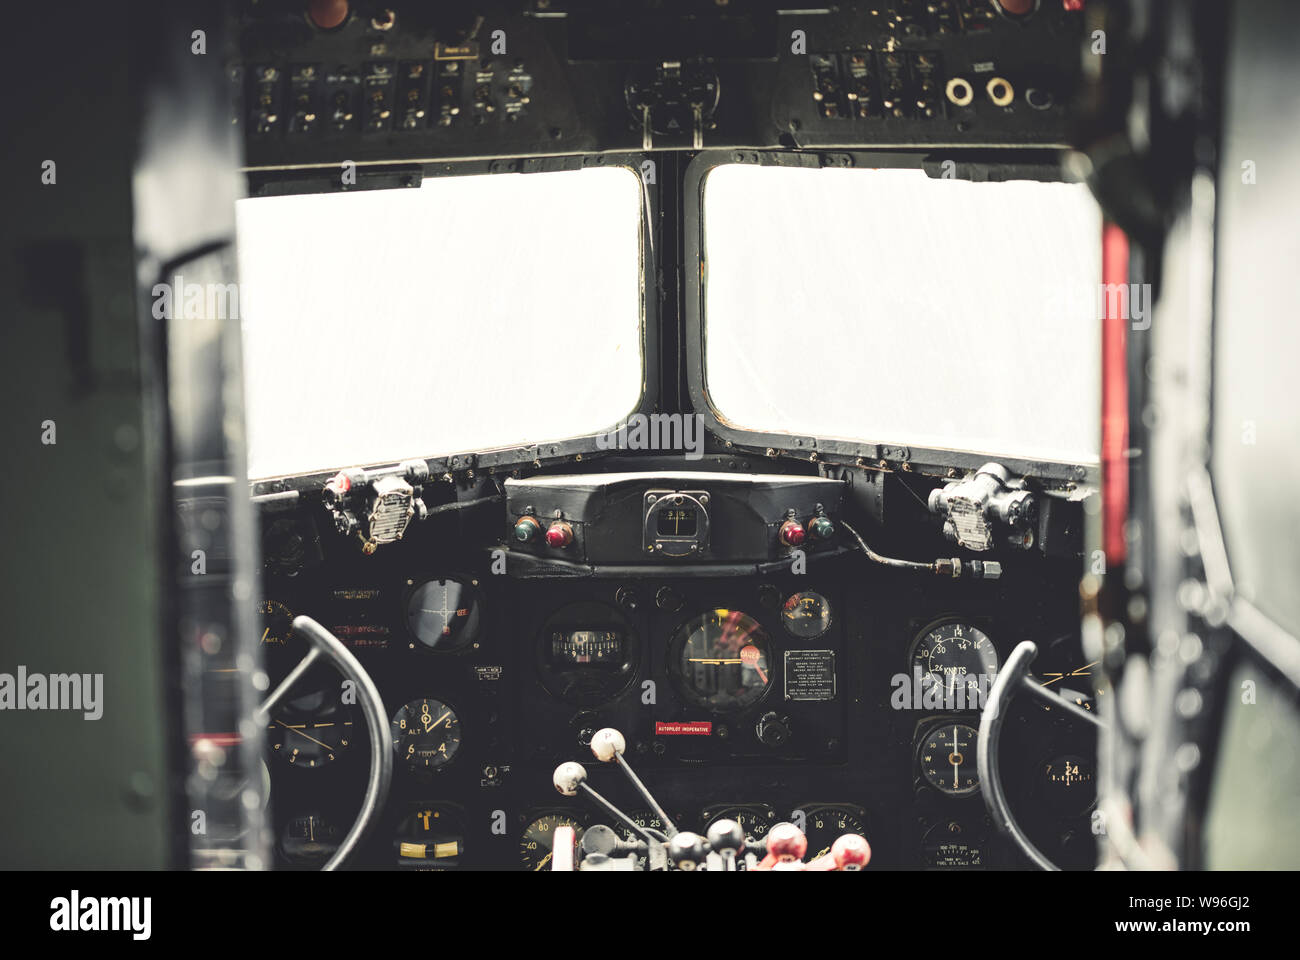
471,313
889,307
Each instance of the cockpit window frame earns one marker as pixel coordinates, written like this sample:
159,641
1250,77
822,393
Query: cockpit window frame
1021,163
327,179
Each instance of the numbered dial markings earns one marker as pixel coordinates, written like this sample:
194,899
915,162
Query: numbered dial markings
539,837
311,731
825,825
277,622
956,656
947,759
753,820
426,734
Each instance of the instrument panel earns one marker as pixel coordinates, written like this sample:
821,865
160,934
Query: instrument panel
845,697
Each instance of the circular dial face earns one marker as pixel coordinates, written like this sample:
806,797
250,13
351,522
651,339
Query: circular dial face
539,836
1069,784
309,838
429,838
1063,669
956,655
442,615
947,758
755,821
806,615
722,659
426,734
946,846
312,730
644,818
825,825
276,620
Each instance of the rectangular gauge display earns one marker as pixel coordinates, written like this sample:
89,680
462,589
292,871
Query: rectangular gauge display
678,522
587,647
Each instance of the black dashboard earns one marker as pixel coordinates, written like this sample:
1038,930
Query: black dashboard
760,666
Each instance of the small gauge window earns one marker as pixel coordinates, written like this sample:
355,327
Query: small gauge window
947,759
678,522
598,647
722,660
949,846
309,839
443,615
426,734
806,615
1069,784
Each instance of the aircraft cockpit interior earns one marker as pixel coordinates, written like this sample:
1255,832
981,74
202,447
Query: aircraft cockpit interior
654,436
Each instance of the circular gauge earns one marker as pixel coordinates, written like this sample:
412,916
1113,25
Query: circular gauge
947,758
429,838
588,654
539,836
722,660
754,820
277,622
309,839
956,656
824,825
442,615
312,730
806,615
1063,669
645,818
426,734
945,846
1069,784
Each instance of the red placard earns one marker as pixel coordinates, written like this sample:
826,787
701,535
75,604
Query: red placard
693,728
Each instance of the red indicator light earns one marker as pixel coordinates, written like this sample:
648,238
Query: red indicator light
559,534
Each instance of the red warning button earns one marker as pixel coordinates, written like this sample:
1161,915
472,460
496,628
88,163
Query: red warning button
696,728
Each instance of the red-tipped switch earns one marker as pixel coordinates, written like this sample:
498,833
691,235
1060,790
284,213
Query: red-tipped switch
559,534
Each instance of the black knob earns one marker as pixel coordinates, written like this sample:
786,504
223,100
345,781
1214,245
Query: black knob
773,731
726,836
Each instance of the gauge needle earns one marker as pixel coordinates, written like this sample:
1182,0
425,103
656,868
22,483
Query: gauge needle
952,757
1080,672
438,721
266,633
301,734
545,860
